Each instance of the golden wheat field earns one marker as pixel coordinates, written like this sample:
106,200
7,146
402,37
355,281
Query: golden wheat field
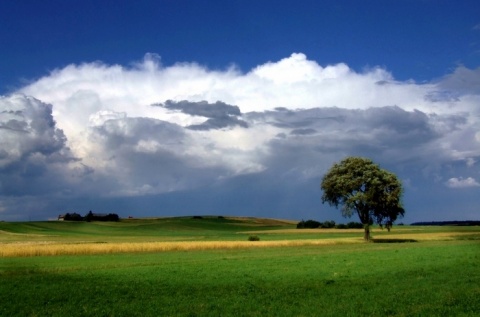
48,248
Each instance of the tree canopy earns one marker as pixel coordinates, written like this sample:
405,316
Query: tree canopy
360,186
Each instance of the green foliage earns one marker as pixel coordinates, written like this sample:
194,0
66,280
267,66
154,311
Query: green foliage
309,224
354,225
328,224
313,224
254,238
90,216
359,186
73,217
350,225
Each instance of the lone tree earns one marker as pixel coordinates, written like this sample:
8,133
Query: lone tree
360,186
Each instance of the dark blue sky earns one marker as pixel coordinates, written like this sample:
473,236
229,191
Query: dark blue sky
419,40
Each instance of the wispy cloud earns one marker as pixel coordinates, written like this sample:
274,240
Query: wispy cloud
462,182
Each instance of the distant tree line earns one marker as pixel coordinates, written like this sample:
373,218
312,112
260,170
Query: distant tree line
448,223
90,216
71,217
313,224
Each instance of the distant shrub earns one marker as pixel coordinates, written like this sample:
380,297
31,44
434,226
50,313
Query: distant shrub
197,217
350,225
309,224
312,224
73,217
253,238
112,217
328,224
354,225
100,217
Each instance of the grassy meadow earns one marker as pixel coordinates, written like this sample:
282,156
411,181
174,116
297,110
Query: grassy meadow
207,267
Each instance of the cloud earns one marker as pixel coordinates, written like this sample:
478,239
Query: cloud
374,131
36,164
115,134
461,82
462,182
202,108
219,114
149,156
27,128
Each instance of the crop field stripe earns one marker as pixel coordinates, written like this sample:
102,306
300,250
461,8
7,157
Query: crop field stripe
38,249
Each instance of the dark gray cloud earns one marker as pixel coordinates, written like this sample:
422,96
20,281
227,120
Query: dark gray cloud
27,128
219,123
33,153
344,128
220,115
202,108
14,125
301,131
300,119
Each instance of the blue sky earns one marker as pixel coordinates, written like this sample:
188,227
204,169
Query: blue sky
235,107
418,40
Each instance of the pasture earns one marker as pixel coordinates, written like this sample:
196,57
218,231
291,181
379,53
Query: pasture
207,267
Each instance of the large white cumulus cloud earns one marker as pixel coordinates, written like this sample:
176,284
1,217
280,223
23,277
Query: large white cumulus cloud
148,129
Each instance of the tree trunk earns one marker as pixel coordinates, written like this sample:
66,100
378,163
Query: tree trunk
366,236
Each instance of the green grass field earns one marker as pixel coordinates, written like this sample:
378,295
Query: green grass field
437,276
